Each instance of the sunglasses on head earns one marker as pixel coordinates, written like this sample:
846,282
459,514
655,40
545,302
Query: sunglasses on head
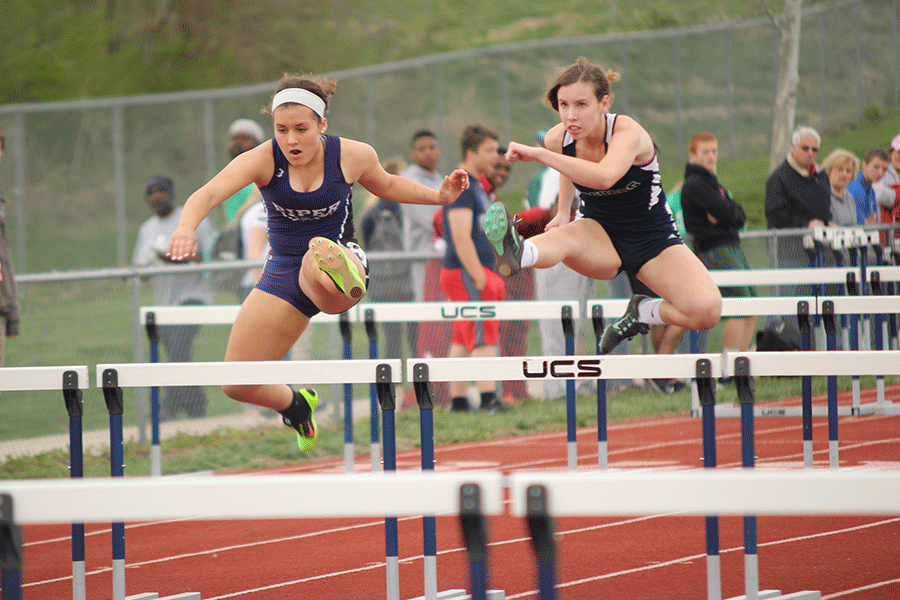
808,148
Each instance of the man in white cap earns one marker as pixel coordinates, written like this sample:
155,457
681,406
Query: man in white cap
243,135
887,190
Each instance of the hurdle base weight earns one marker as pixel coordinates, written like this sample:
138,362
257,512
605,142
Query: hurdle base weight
463,595
155,596
776,595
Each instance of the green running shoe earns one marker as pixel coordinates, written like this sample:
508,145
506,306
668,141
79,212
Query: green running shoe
505,240
332,259
625,328
307,431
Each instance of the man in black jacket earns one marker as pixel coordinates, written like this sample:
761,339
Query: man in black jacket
797,197
713,220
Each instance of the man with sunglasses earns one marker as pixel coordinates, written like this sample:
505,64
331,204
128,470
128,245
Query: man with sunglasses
797,197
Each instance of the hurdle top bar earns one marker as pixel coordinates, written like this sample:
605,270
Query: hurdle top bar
508,310
96,500
223,314
754,277
682,366
39,378
512,368
707,492
778,305
817,363
248,372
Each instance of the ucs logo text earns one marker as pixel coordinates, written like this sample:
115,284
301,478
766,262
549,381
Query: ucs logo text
562,368
469,312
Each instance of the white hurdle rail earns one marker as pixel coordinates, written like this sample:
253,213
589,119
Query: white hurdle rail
788,305
242,497
113,377
704,492
567,368
71,381
762,364
379,312
101,500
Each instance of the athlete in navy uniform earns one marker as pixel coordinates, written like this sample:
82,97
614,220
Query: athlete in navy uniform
314,264
623,223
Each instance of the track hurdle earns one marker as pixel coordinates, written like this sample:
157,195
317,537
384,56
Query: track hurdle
113,377
702,492
98,500
578,367
154,316
71,380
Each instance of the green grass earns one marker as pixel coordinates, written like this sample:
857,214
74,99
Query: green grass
230,450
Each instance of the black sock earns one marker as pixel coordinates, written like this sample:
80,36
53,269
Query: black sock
298,410
487,398
460,403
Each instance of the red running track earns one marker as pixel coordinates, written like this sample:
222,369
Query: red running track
650,557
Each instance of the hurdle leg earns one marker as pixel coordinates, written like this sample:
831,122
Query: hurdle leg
155,448
831,340
541,528
112,393
474,528
374,441
386,397
706,389
75,407
571,422
744,384
349,455
806,384
10,551
881,334
421,384
602,428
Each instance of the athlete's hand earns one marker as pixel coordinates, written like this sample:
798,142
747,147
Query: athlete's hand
454,184
182,245
517,151
558,220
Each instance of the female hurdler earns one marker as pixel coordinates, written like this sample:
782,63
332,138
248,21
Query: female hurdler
623,223
314,263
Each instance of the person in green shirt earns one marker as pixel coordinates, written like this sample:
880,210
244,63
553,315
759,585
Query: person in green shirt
243,135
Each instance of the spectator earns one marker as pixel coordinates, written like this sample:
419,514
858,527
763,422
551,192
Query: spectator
9,297
186,289
870,172
467,273
243,135
255,242
382,231
796,198
887,191
841,167
420,235
713,219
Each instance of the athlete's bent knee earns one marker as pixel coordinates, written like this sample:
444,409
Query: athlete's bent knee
241,393
705,311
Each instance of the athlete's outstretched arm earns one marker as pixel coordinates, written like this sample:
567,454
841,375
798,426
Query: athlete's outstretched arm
360,163
248,167
629,141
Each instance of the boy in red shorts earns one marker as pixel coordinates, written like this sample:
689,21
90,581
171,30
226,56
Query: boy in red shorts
467,272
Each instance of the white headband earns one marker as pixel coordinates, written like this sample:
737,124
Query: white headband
299,96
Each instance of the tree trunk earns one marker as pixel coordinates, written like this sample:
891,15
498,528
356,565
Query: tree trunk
788,28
